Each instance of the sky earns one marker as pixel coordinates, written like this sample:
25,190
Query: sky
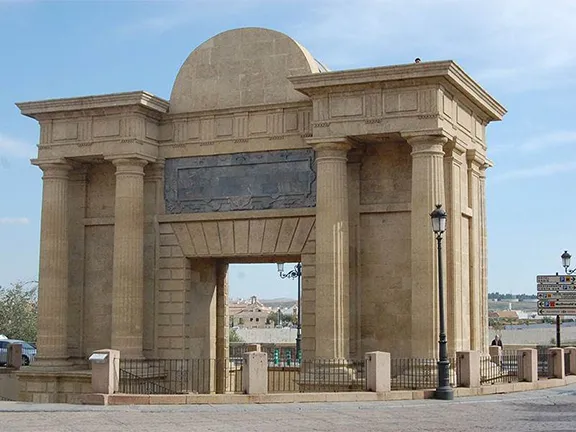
521,51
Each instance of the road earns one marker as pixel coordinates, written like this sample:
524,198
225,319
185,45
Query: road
545,410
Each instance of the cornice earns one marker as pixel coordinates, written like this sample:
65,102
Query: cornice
447,70
144,99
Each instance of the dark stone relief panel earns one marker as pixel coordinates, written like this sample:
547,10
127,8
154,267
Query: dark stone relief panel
241,181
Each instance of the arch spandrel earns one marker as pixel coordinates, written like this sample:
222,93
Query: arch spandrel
248,66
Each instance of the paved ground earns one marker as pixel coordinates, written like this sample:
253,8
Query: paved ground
546,410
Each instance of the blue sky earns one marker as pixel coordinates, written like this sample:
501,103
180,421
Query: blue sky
521,51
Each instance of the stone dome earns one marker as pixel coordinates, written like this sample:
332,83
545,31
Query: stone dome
247,66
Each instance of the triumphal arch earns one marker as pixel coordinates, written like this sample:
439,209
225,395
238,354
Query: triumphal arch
262,154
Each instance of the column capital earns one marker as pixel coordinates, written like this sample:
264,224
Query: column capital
426,144
53,168
155,170
330,145
129,165
478,162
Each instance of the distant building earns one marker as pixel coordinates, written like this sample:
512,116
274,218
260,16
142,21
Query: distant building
251,314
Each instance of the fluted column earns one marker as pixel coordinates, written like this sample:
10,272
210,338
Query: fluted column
332,253
427,191
53,275
128,267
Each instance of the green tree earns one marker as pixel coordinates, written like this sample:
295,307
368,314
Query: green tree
19,311
233,336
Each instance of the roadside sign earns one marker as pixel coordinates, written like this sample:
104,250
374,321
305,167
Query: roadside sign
557,295
555,287
557,311
552,279
554,303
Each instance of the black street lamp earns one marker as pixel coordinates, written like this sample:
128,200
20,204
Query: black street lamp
293,274
444,390
566,262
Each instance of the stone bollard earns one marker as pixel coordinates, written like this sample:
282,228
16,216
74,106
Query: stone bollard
255,373
556,363
14,356
571,366
468,367
528,365
378,371
105,371
495,354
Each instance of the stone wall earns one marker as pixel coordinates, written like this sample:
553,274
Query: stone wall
54,387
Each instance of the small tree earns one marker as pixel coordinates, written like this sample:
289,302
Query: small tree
19,311
233,336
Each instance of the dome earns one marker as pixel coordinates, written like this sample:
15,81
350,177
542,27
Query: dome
247,66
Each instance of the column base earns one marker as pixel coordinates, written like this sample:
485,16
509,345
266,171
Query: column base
54,364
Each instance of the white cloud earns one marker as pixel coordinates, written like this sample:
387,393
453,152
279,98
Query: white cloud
513,44
544,170
543,142
10,148
14,221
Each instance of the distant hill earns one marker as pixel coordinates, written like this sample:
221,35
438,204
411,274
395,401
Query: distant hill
278,302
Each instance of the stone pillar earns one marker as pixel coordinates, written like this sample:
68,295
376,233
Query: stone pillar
468,368
332,253
527,365
427,191
495,354
53,275
128,267
571,369
255,373
378,371
556,363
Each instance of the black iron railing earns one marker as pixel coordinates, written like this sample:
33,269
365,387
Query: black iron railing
418,373
177,376
319,375
543,361
499,369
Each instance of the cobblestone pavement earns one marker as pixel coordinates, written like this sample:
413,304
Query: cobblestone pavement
551,410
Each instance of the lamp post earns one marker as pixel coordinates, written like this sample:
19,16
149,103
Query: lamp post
444,390
566,264
293,274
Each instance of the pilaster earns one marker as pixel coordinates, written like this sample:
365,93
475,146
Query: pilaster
332,250
53,273
153,205
458,299
128,264
427,191
477,333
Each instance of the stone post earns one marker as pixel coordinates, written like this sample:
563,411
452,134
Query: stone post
128,267
105,371
528,365
14,356
468,368
255,373
427,191
556,363
53,275
332,253
495,354
571,370
378,371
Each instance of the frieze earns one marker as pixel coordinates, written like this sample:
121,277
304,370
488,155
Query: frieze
241,181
